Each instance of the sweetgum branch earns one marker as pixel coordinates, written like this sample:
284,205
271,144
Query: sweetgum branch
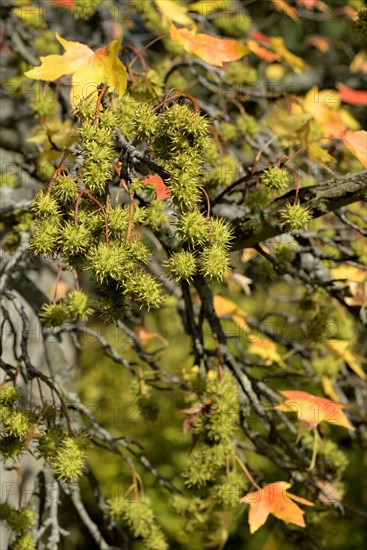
252,228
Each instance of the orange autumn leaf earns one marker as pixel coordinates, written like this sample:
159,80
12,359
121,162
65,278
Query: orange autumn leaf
319,42
65,3
356,142
88,68
224,307
282,6
260,37
348,11
146,337
359,294
359,63
274,499
324,105
213,50
354,97
261,52
313,4
340,348
311,409
172,11
267,351
297,63
161,189
279,53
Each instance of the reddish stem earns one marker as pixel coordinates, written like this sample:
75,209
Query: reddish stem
173,98
138,55
298,181
59,270
216,139
98,104
248,475
58,170
135,483
145,48
207,200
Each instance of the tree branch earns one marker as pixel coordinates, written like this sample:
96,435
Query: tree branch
252,228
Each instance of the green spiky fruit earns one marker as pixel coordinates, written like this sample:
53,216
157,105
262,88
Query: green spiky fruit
182,265
275,179
53,315
295,217
214,262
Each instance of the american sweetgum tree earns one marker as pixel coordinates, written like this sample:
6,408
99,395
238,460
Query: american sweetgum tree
192,177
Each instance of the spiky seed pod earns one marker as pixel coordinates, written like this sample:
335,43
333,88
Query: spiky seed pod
295,217
205,462
45,236
117,221
14,422
223,172
179,129
182,265
258,199
74,239
221,232
11,447
192,228
78,305
125,113
25,222
229,131
70,458
148,407
53,315
139,215
97,165
140,519
156,215
106,262
85,110
43,102
285,252
21,520
275,179
10,242
93,221
361,22
145,122
247,125
222,416
214,262
112,307
138,250
184,190
84,10
65,189
107,121
5,510
230,489
9,394
24,542
143,288
50,441
44,205
91,134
